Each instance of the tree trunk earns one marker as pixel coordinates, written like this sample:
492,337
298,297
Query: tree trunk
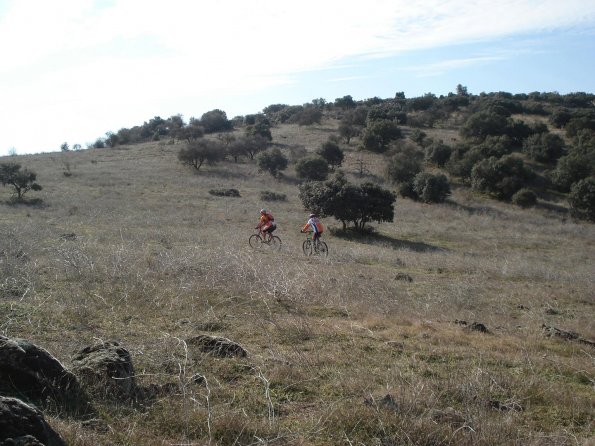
19,191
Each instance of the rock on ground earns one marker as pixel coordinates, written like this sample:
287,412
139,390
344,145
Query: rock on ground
106,370
21,424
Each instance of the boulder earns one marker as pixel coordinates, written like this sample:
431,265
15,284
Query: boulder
105,370
27,440
31,372
565,334
475,326
21,424
217,346
404,277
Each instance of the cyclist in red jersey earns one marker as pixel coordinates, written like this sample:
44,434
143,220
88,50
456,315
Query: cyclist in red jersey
267,223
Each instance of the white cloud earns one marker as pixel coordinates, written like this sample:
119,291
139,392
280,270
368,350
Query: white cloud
348,78
438,68
75,58
270,36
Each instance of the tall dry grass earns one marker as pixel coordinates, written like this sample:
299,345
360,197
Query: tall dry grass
362,347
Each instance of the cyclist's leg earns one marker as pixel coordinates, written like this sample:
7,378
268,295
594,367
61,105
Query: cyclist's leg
269,233
315,239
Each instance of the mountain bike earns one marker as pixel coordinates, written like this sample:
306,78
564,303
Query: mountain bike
260,239
317,247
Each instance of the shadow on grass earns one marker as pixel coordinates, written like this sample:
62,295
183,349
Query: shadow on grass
473,210
31,202
372,238
556,208
489,211
286,179
221,172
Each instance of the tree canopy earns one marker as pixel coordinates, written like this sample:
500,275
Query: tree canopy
21,180
347,202
196,153
272,161
332,153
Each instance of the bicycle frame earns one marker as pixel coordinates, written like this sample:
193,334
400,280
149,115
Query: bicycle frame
261,237
265,236
318,246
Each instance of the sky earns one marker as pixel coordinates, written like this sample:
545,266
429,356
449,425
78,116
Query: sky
72,70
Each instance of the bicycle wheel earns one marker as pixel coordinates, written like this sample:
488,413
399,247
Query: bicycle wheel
275,243
307,247
255,241
323,249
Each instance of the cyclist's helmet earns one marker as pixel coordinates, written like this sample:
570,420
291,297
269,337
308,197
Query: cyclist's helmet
263,211
312,216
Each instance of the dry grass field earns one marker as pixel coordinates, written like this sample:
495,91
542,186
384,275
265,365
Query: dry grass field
373,345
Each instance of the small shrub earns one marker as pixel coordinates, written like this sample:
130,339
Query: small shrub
462,159
431,188
544,147
582,198
403,165
332,153
500,177
258,125
406,190
215,121
418,136
484,123
225,192
437,153
496,146
571,169
313,168
266,195
378,134
272,161
306,116
524,198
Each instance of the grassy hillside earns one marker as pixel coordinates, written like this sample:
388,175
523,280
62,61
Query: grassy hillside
373,345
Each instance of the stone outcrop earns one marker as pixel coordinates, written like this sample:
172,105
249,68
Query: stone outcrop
105,370
217,346
30,372
565,334
21,424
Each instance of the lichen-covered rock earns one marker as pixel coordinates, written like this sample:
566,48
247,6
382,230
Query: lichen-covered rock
26,440
30,371
217,346
475,326
21,424
404,277
565,334
448,416
105,370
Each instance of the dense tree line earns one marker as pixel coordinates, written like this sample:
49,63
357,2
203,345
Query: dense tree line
511,146
499,151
